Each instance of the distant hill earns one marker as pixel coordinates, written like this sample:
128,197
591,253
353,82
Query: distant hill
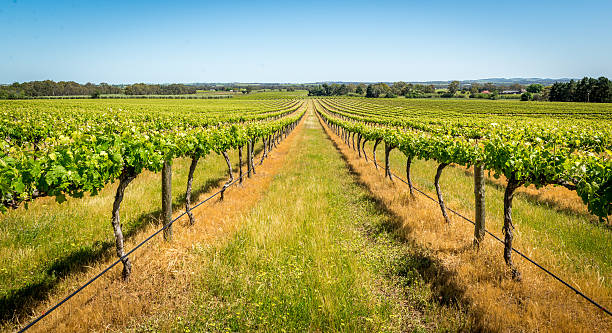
497,81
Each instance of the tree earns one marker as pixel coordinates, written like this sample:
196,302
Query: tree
453,87
526,96
399,88
375,90
534,88
474,88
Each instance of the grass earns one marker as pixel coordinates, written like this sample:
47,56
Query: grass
318,253
46,242
567,240
479,279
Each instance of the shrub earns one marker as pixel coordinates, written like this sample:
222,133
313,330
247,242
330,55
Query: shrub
526,96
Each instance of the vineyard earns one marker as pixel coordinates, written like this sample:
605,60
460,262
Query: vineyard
546,169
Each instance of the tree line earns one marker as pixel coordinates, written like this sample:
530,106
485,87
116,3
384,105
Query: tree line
71,88
371,90
586,90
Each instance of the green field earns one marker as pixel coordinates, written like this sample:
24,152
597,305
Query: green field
329,244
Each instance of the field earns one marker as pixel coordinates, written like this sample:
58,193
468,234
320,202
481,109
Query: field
308,233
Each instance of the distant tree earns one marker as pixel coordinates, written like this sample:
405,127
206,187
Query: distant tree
516,86
534,88
602,92
489,86
474,88
453,87
526,96
399,88
359,89
95,94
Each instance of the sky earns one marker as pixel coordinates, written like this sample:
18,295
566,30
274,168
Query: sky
302,41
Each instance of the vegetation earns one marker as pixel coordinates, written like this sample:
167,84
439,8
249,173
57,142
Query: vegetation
539,154
326,247
586,90
75,153
315,254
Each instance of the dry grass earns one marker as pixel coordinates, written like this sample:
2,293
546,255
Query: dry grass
556,197
480,279
162,273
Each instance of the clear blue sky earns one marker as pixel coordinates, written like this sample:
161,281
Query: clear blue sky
305,41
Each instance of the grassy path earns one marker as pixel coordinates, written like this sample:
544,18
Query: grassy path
315,254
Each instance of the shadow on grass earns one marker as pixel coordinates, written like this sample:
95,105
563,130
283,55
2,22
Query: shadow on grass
415,258
18,301
537,199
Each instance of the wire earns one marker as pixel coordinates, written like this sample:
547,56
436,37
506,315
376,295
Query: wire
39,318
574,289
516,251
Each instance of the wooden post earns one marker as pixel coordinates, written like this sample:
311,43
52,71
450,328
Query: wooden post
167,199
479,200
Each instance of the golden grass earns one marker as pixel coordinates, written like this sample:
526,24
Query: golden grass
162,272
556,197
495,301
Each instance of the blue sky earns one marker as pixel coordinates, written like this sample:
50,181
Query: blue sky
304,41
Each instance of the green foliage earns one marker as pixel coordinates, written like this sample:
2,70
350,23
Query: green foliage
453,87
526,96
538,154
586,90
535,88
73,153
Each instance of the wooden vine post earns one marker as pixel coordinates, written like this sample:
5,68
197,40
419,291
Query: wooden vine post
167,199
479,202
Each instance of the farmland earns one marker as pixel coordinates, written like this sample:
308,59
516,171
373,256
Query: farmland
311,234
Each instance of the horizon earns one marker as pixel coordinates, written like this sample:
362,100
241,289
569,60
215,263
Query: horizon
529,79
299,43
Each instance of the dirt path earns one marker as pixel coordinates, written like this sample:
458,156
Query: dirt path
315,254
162,272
